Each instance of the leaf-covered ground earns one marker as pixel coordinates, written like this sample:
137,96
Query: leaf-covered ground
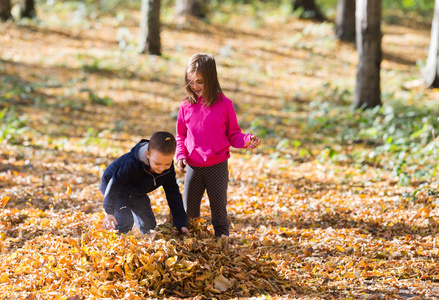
75,95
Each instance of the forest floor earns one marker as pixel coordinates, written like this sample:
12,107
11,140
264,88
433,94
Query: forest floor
75,95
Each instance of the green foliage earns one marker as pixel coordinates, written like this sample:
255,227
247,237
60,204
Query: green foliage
12,125
397,137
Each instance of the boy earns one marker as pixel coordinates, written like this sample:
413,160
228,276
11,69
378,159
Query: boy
126,182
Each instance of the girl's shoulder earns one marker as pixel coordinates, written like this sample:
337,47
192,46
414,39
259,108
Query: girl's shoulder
224,99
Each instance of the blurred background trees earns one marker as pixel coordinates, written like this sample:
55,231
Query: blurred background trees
431,70
341,12
150,42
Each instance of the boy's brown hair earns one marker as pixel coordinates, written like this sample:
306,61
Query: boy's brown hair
203,64
163,142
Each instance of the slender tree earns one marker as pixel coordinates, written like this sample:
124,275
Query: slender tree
27,9
431,71
310,9
345,20
150,28
5,10
368,30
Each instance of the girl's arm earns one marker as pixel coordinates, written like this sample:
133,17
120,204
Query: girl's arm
234,134
180,152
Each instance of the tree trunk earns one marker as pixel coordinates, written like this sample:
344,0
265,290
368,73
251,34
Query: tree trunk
430,73
27,9
150,28
368,18
5,10
194,8
345,20
310,10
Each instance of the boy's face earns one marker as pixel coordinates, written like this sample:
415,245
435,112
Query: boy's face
197,83
159,162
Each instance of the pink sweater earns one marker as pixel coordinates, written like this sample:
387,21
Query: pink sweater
205,134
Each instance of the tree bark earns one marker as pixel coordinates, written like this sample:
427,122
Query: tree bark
150,28
5,10
194,8
27,9
345,20
310,10
430,73
368,30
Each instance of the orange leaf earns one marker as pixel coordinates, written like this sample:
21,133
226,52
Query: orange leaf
69,189
201,277
4,201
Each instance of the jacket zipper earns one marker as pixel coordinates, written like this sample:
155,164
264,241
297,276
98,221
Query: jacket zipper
153,177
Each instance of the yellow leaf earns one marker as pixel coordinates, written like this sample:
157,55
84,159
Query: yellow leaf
4,201
200,220
340,248
69,189
4,278
171,261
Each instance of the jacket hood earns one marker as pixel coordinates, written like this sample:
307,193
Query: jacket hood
135,152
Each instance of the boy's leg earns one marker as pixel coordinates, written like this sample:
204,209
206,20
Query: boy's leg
122,212
193,191
217,180
142,213
123,215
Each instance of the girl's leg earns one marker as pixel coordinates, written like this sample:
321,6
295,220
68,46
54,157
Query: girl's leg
193,191
217,179
142,213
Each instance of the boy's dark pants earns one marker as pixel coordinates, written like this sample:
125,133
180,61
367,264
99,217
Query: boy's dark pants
130,209
215,180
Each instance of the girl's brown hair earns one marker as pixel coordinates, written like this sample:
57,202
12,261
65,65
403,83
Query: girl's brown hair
204,65
163,142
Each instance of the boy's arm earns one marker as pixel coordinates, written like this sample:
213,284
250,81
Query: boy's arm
175,201
115,186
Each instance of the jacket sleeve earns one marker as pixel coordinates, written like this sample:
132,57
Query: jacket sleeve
234,134
175,200
116,184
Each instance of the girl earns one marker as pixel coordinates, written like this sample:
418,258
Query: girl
206,128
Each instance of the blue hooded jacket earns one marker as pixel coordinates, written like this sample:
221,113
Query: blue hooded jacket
128,175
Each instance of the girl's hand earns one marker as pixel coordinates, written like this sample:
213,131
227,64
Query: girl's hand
254,141
109,222
181,164
184,230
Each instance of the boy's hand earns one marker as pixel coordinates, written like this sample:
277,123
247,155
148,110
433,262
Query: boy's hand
184,230
181,164
109,222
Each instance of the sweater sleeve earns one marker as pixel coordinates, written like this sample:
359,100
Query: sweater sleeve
175,200
181,135
234,134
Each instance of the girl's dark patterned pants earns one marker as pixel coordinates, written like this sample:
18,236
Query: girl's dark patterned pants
214,180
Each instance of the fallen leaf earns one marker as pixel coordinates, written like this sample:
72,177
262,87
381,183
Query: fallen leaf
4,201
221,283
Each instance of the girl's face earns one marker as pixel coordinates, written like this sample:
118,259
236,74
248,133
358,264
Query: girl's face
197,83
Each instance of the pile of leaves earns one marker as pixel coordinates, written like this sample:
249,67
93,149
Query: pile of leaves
51,255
